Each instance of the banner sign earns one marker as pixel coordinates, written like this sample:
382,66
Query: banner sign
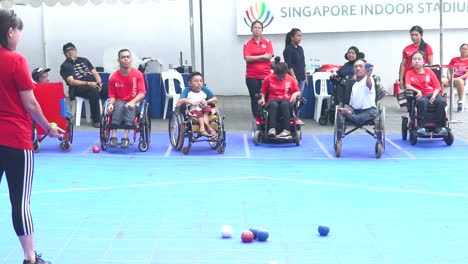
314,16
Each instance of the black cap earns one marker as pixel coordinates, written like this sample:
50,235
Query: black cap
36,73
68,46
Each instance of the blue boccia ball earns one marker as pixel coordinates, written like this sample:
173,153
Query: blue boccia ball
254,231
323,230
262,235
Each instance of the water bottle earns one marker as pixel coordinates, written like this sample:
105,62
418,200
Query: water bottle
186,67
309,67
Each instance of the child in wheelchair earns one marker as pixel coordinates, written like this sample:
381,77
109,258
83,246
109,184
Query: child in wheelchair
199,99
427,92
279,91
126,90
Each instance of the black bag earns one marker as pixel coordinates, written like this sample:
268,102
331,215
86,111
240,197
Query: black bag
379,89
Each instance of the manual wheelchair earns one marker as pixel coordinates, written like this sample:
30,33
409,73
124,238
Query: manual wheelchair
260,125
183,124
341,124
141,126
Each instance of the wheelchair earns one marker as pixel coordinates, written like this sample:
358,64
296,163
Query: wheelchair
431,122
260,126
341,125
141,126
183,124
66,140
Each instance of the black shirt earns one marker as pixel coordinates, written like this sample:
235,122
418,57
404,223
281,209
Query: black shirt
295,59
80,69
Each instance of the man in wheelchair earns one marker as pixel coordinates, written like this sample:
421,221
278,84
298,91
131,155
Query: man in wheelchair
362,106
126,90
199,99
426,87
281,92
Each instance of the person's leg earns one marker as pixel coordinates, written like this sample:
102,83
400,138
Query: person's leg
421,106
19,172
92,94
285,112
440,103
254,86
201,123
365,115
272,109
301,85
459,83
129,122
116,120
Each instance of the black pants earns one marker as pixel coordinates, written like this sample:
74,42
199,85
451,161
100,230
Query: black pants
422,104
279,109
93,95
18,166
254,86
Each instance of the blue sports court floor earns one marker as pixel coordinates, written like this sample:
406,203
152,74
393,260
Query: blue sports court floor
127,207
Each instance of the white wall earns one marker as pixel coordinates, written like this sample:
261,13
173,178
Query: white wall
161,29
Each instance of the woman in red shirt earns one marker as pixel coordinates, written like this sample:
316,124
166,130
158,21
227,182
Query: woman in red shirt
424,83
17,106
280,90
258,52
460,65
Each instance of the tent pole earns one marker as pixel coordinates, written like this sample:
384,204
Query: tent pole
192,35
44,43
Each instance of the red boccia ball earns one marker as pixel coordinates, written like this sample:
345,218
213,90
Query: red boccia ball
247,236
96,149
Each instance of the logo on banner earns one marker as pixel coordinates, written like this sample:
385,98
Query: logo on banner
258,12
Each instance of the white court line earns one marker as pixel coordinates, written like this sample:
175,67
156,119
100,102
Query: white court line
400,148
88,150
246,146
322,147
168,151
345,185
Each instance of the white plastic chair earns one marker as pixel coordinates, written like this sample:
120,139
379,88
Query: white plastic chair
171,76
77,108
319,97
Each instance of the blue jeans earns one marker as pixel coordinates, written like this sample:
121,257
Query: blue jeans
301,85
361,116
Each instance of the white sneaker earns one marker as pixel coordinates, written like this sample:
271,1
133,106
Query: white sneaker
460,106
284,133
272,132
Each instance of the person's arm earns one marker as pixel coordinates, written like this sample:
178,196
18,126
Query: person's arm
31,105
430,59
212,100
263,57
402,70
411,88
97,77
183,97
287,56
369,82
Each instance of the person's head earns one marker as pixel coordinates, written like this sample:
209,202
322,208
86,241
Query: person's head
10,29
416,33
256,28
125,58
360,68
280,69
417,60
40,75
352,54
195,81
69,50
464,50
294,36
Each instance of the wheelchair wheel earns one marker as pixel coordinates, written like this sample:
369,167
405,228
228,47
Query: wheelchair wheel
298,137
257,137
323,120
404,128
186,150
413,138
70,130
449,139
36,146
221,148
65,145
104,132
338,146
176,130
143,146
378,149
382,127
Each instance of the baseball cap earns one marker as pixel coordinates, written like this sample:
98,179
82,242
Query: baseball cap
36,73
68,46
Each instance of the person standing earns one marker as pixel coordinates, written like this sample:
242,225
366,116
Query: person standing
18,108
258,52
293,55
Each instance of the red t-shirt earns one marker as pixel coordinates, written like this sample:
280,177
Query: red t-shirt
258,69
426,82
126,87
410,49
463,64
276,89
15,121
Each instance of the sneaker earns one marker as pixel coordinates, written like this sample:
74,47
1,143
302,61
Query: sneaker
299,122
272,132
96,124
124,143
284,133
421,131
113,142
460,106
443,131
39,260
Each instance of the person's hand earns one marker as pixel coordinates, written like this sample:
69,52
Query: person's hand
432,99
110,108
418,94
130,104
94,85
293,99
55,131
268,56
261,101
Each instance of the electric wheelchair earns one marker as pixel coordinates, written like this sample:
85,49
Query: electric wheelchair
183,124
260,125
141,126
432,123
341,124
